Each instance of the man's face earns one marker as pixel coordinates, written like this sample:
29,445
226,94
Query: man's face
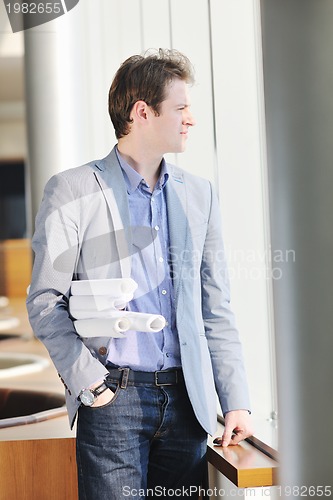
169,130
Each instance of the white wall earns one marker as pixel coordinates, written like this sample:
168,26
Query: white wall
237,67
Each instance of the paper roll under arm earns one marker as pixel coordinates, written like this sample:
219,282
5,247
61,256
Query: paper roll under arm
119,322
102,327
98,306
111,287
144,322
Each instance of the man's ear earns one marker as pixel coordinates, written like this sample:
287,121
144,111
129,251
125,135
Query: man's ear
140,111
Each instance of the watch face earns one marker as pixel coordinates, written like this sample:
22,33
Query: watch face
87,398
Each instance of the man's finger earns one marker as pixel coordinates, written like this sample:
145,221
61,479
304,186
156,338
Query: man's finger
237,437
226,437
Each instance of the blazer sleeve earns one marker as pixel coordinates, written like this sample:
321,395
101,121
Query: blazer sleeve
56,245
220,328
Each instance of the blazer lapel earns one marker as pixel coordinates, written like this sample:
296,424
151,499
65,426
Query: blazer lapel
111,181
177,223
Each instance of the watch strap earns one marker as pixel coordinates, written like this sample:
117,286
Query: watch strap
100,389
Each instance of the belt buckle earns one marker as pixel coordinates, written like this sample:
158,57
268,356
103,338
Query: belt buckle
166,383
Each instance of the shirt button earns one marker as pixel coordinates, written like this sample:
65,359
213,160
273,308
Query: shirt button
157,228
167,355
102,351
161,259
164,292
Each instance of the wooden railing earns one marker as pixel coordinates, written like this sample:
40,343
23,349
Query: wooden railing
249,464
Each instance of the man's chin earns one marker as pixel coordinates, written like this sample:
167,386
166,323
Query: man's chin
179,148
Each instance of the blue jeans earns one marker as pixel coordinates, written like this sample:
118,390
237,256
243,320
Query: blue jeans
145,442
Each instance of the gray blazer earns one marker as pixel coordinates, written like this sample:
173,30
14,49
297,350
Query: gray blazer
83,231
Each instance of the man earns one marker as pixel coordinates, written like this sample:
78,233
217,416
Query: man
133,215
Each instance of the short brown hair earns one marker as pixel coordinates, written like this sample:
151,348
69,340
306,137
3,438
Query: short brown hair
144,78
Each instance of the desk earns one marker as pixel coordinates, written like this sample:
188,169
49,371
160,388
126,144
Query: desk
37,461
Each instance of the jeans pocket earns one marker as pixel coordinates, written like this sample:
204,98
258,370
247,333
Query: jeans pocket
115,388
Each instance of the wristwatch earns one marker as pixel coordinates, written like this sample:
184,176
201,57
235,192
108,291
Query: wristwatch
89,396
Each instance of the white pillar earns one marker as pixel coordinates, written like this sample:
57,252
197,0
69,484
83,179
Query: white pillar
69,64
43,123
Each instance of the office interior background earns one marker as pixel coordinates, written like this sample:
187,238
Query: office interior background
264,110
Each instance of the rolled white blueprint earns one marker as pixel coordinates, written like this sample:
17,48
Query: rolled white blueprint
112,287
98,306
118,322
144,322
102,327
141,322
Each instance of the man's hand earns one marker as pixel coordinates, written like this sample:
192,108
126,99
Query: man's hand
239,422
104,398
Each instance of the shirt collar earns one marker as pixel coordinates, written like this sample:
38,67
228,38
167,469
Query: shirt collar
133,179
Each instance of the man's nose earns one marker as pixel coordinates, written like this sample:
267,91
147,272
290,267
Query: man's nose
189,119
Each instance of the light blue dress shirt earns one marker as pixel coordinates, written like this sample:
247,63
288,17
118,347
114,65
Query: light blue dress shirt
145,351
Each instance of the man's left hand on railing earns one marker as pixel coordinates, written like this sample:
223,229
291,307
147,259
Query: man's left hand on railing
237,426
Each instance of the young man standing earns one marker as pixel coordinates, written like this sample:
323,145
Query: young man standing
153,397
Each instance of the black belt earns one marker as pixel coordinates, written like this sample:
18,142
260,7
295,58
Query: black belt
158,378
